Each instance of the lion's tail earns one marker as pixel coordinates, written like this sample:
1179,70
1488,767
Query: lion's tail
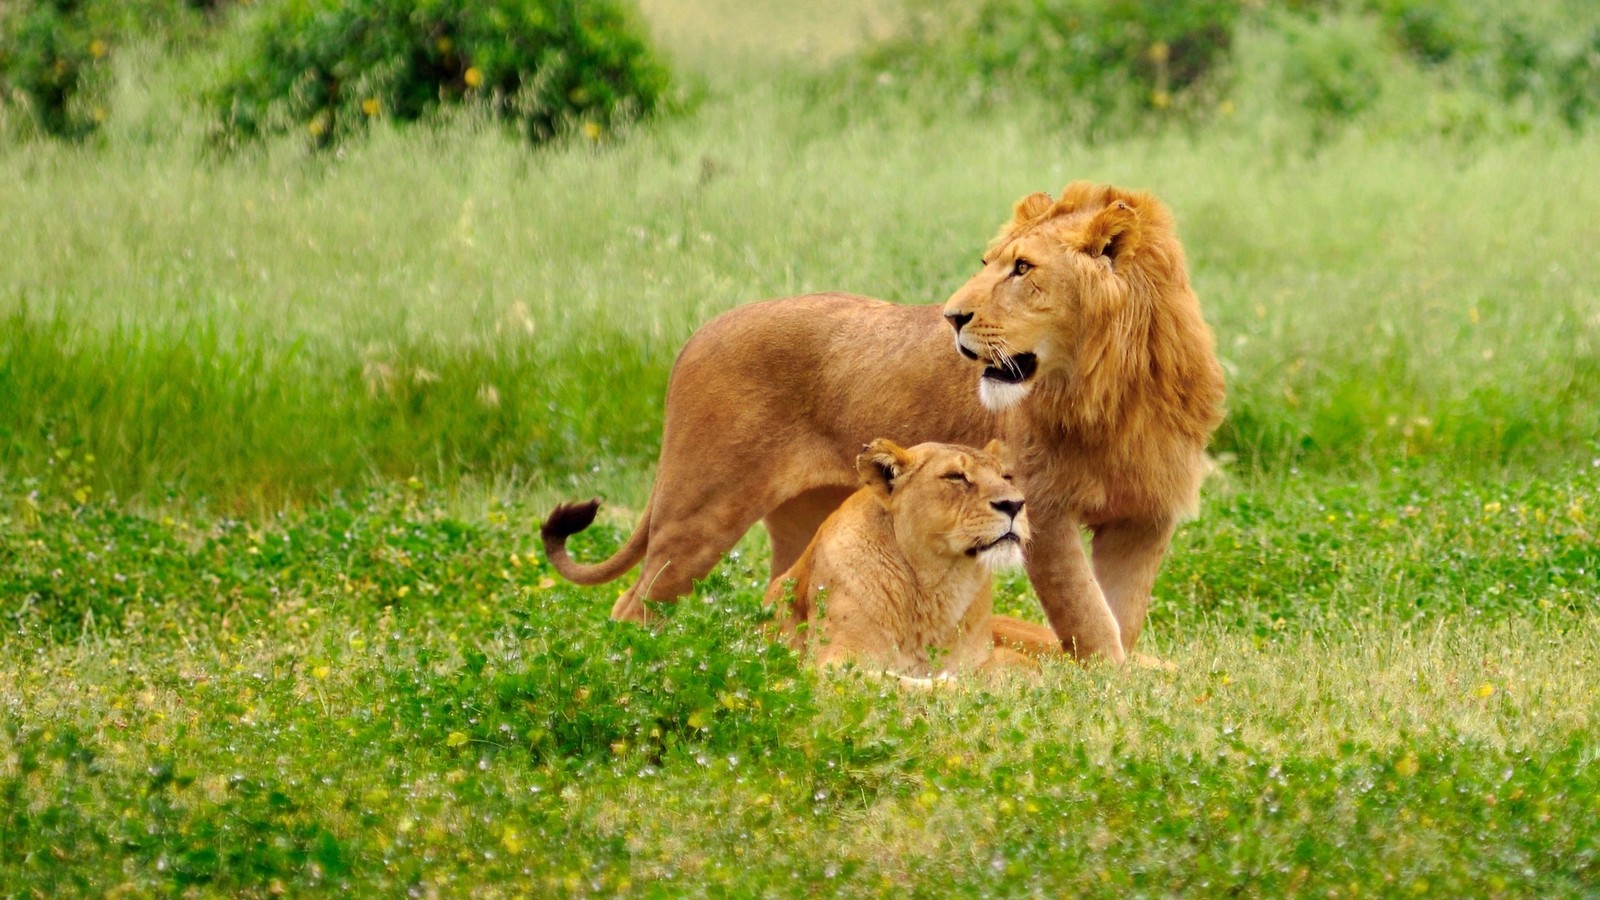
568,519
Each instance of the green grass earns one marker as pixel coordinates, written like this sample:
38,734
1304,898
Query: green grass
275,435
383,693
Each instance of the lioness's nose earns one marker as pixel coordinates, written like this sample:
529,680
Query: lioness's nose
1009,507
958,319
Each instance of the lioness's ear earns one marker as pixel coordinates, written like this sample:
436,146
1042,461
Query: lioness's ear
1113,232
880,463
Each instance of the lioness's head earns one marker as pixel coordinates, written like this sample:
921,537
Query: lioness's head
1059,274
948,500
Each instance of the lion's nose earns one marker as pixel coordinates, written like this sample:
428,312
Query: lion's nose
1009,507
958,319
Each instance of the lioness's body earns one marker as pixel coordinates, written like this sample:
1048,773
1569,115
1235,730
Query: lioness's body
1100,374
898,578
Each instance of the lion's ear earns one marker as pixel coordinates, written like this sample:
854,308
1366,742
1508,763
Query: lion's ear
881,463
1113,232
995,449
1031,207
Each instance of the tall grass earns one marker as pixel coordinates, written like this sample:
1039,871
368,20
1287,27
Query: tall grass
278,321
445,301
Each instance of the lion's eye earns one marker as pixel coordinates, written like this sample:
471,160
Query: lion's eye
955,478
1022,268
983,263
1008,477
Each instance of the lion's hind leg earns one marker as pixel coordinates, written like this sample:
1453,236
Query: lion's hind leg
684,547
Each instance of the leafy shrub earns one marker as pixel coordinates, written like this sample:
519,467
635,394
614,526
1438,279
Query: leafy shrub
1088,56
1114,65
55,54
52,55
1334,66
327,67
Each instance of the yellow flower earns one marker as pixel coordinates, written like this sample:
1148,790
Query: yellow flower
98,48
1160,99
1484,690
1407,766
473,77
370,106
1160,52
444,44
591,131
456,739
318,126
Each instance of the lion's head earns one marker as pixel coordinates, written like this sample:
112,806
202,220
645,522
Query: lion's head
1073,290
949,501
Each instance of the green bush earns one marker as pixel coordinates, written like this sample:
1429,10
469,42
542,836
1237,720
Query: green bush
1086,56
328,67
1112,66
55,54
52,55
1334,66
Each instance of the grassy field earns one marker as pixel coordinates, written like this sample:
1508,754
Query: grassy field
276,433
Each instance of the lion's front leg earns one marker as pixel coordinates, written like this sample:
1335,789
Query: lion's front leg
1127,555
1059,570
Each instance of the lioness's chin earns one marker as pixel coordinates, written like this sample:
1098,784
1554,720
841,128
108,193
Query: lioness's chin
1006,554
999,396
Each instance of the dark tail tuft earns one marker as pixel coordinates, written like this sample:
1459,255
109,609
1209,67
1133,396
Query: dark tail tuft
569,519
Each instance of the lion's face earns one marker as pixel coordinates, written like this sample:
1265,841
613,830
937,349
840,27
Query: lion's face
1057,271
950,501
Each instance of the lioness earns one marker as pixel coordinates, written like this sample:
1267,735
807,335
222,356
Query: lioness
897,579
1093,364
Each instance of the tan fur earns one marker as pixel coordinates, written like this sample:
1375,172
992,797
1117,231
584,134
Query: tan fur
897,579
769,402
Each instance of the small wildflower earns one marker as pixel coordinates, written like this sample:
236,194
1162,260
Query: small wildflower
473,77
98,48
591,131
1160,99
1484,690
321,673
1407,766
444,44
456,739
370,107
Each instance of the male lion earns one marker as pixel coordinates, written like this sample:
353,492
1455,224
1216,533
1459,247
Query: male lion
1096,368
898,578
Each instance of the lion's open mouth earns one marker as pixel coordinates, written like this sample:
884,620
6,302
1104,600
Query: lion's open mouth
1013,369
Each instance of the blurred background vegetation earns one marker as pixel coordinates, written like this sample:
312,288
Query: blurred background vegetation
328,66
281,246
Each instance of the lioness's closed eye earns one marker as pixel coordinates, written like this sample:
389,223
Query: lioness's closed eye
898,578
